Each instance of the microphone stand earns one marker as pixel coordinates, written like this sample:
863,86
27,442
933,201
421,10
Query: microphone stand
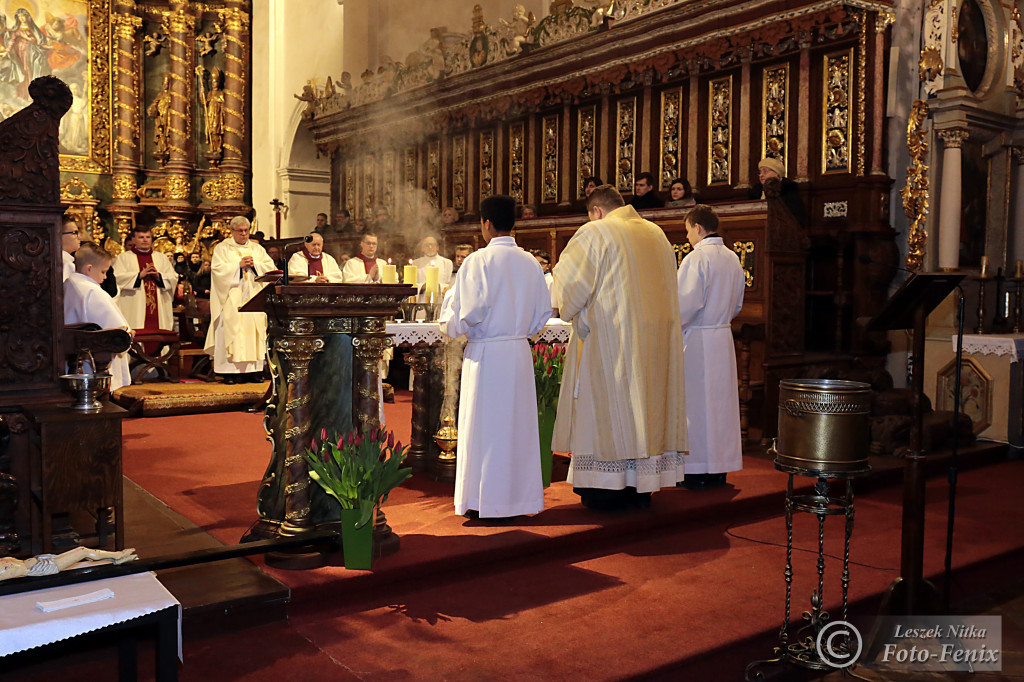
284,270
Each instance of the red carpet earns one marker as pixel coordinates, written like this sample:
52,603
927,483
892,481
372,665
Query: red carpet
567,593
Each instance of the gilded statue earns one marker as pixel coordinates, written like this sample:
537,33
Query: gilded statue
160,111
49,564
213,110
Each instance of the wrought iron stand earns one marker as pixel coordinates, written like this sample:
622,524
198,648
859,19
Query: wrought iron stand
803,650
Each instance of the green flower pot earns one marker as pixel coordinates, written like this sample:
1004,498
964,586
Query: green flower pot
357,543
546,426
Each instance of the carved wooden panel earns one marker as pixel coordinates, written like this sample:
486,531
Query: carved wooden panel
31,307
625,148
516,160
586,147
775,107
671,136
459,173
720,131
369,184
387,181
486,163
549,175
350,187
434,173
837,120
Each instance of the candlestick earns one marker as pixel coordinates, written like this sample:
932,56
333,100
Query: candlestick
984,267
389,275
1018,271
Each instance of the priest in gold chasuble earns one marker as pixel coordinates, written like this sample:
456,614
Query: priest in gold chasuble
622,406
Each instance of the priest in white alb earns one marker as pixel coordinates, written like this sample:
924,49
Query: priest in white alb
431,258
312,262
498,301
85,301
237,341
364,267
622,406
145,283
711,283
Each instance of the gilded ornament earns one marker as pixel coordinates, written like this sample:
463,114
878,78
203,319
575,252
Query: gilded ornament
459,172
549,163
177,187
671,110
125,186
837,129
586,150
915,193
486,163
720,142
516,161
624,144
434,173
775,99
75,190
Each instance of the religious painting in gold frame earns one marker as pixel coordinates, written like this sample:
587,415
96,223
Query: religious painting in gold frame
837,112
69,39
975,391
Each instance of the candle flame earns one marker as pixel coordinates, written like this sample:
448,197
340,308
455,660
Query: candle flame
389,261
410,261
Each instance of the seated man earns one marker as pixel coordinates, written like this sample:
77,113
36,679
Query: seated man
645,195
365,267
431,258
85,301
146,281
311,261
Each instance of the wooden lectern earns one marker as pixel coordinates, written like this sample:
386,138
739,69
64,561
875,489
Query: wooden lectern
325,343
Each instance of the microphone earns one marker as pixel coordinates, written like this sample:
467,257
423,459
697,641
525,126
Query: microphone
284,272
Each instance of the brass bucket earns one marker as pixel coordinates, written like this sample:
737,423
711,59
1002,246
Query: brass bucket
824,428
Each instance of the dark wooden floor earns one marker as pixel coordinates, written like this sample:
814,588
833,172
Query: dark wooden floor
216,596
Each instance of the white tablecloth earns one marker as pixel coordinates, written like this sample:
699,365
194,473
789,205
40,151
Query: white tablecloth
993,344
24,626
411,333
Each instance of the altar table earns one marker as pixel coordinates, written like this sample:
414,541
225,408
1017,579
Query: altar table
125,605
423,340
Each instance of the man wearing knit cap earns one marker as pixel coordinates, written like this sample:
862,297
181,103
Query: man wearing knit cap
770,169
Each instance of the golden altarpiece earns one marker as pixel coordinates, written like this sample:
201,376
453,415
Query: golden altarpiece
167,111
531,108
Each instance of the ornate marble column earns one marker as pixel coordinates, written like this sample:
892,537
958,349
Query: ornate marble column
298,347
950,198
179,27
128,135
418,358
234,164
368,345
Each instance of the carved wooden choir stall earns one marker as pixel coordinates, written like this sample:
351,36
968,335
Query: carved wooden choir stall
678,89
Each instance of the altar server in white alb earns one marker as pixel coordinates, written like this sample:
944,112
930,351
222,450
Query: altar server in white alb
145,283
498,301
711,283
236,341
312,262
85,301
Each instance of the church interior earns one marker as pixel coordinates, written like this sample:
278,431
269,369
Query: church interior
886,251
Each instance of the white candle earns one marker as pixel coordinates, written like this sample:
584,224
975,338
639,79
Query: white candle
389,275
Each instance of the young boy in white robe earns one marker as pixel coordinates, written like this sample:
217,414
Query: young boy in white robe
499,300
85,301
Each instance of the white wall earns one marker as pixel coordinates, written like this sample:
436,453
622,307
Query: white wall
289,48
